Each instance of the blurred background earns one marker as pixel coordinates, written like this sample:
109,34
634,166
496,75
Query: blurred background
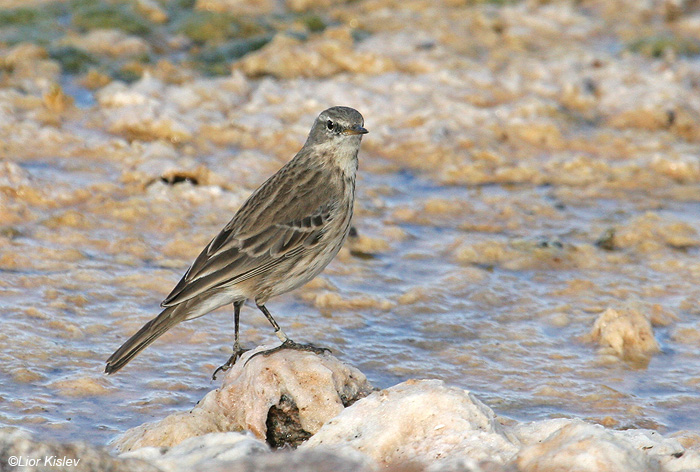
527,219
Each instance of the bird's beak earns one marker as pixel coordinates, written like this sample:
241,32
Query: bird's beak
357,129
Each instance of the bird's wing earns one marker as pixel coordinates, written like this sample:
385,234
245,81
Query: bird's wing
274,222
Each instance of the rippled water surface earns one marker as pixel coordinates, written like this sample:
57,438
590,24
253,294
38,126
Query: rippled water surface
505,201
410,310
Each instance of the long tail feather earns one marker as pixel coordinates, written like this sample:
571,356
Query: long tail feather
145,336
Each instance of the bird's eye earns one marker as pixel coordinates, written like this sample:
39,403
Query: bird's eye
330,125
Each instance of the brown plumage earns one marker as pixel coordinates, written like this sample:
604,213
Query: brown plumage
284,235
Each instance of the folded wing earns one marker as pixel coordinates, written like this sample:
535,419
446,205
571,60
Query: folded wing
232,258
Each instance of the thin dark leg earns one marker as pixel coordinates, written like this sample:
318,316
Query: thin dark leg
286,342
237,350
278,331
236,320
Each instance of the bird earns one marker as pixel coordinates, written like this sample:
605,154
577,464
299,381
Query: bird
281,237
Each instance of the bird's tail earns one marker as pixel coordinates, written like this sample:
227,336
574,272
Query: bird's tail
145,336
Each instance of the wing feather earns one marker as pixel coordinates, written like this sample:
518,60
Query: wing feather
241,251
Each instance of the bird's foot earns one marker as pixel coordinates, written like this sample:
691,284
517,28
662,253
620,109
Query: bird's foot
237,353
289,344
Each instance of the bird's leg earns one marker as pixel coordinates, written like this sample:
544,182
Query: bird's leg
237,350
278,331
286,342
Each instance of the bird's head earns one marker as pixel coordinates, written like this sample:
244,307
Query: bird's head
336,136
338,126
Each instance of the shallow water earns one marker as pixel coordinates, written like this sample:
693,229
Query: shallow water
483,188
512,335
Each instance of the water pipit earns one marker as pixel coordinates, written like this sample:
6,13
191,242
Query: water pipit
283,235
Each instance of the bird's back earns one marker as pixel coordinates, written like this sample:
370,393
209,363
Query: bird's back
285,220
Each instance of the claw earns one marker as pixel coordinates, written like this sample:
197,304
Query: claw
237,353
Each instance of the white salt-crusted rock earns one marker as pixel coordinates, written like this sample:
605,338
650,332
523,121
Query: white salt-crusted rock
152,10
627,332
419,421
22,52
240,7
330,53
574,445
235,452
193,453
13,176
110,42
584,447
118,94
151,109
19,445
317,385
